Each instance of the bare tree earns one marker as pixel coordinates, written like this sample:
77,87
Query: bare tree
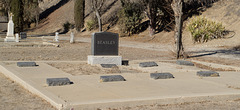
96,7
177,6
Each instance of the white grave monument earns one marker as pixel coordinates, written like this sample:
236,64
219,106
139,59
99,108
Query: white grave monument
17,37
56,37
72,37
10,32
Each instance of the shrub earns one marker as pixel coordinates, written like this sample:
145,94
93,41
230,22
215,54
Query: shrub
203,29
67,26
91,24
130,17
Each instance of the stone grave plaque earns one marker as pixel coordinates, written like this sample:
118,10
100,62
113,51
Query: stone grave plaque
161,75
58,81
23,35
183,62
111,78
208,74
104,43
148,64
108,65
26,64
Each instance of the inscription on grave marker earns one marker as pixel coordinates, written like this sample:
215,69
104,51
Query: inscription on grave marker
105,43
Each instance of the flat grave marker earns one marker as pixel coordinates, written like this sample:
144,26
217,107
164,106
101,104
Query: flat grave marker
111,78
148,64
161,75
184,62
108,65
208,74
58,81
26,64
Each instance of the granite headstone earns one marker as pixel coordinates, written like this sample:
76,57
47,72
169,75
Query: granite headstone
23,35
104,43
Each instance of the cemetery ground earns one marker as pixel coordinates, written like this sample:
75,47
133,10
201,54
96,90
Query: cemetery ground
72,59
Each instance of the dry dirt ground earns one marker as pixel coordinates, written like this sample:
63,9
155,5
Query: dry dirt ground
14,97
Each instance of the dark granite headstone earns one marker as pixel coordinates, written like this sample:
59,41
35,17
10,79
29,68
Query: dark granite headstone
208,74
26,64
108,65
111,78
148,64
23,35
58,81
161,75
105,43
183,62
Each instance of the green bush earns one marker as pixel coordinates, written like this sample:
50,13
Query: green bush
91,24
67,26
203,29
130,17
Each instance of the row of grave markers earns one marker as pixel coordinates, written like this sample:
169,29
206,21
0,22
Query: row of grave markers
56,39
104,51
112,78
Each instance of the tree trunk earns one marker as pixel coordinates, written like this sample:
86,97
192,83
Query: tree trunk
177,8
99,20
152,16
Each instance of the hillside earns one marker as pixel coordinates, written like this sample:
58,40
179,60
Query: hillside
227,12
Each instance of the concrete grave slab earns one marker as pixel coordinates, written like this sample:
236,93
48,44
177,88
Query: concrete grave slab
58,81
26,64
148,64
208,74
87,93
111,78
104,60
161,75
184,62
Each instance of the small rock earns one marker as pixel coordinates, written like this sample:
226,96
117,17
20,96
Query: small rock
111,78
148,64
161,75
183,62
208,74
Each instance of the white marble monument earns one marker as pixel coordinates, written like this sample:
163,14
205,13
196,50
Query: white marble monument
10,32
17,37
72,38
56,37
